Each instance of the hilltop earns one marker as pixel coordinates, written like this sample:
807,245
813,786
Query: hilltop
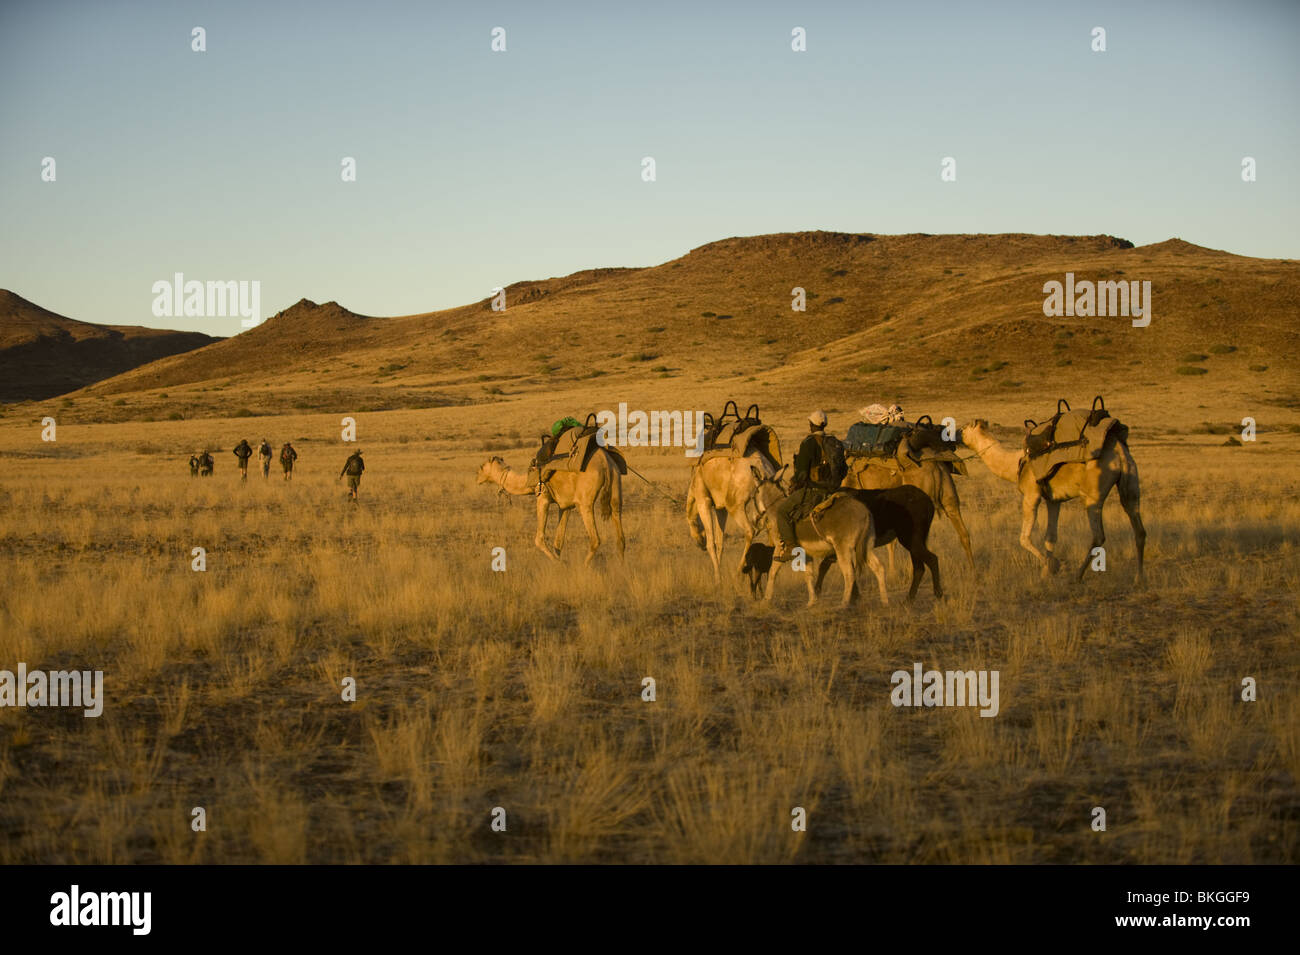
915,318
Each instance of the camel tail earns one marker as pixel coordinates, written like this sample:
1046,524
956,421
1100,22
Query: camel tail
612,502
607,494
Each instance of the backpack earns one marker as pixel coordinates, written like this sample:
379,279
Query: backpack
354,466
833,468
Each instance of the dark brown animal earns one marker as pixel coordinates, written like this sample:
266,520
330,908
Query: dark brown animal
902,514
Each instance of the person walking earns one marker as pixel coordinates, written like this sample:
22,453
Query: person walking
287,456
243,451
353,468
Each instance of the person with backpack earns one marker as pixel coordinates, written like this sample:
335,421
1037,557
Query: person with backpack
287,456
819,467
243,451
264,456
194,464
353,468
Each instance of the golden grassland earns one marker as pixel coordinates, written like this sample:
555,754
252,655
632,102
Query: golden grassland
523,689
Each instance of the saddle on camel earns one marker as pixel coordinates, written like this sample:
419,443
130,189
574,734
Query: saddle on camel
1069,437
569,447
732,435
884,437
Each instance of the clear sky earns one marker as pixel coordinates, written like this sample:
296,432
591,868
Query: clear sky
477,169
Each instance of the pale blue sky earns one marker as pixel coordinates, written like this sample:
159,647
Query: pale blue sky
477,169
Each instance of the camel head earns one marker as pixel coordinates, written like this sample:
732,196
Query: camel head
979,428
489,469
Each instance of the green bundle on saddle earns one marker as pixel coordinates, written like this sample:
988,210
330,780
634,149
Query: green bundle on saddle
564,424
571,446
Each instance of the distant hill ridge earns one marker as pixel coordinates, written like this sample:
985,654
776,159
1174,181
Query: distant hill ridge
44,354
882,312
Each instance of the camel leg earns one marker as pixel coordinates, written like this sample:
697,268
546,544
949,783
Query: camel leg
951,505
560,525
705,510
1049,536
1098,534
1130,498
593,537
721,517
1028,524
616,516
543,510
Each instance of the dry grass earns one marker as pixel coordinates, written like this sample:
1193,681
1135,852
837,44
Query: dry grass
523,689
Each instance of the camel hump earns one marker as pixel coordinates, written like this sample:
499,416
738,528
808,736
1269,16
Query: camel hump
1070,437
736,444
761,438
576,453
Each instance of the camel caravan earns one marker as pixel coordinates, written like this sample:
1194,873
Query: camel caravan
838,501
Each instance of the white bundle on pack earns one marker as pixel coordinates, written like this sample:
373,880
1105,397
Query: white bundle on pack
879,414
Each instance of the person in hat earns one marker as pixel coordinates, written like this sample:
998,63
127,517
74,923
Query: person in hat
353,468
819,467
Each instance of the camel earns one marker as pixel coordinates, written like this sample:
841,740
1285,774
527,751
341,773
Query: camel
844,531
601,483
719,488
1090,481
932,477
